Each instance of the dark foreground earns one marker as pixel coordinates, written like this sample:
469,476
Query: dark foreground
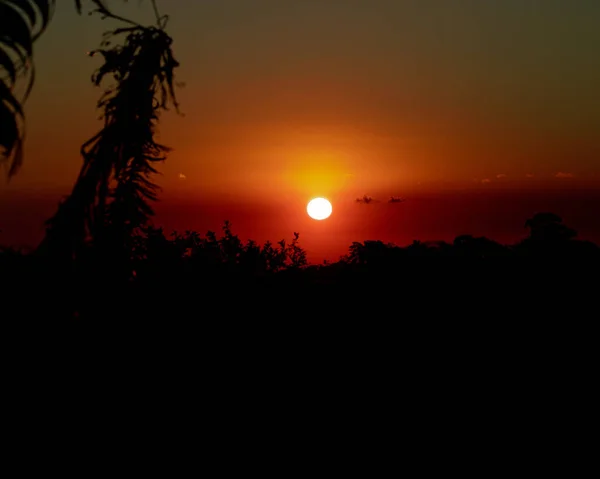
469,325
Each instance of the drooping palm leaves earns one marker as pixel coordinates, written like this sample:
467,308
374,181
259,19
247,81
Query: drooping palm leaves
111,196
21,23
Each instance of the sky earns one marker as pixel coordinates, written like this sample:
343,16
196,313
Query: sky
286,100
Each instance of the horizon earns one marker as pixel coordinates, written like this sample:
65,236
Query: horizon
499,215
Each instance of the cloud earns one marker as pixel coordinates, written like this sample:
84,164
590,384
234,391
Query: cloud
485,181
182,176
396,199
366,200
560,174
529,175
501,175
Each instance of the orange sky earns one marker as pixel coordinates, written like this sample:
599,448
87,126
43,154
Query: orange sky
287,100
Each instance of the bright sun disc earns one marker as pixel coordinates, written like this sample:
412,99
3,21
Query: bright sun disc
319,208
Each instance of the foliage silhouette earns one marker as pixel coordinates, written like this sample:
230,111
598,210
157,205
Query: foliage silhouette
111,196
172,275
548,227
21,24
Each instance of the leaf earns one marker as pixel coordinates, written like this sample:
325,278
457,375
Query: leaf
9,131
46,7
15,32
10,136
18,21
7,97
7,64
28,8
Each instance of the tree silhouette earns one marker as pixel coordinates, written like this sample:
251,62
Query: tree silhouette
297,255
548,227
111,196
180,275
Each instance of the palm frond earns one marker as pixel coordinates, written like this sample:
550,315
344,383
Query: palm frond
21,23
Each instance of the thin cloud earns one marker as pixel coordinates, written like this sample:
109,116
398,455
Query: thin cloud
501,175
529,175
562,175
485,181
366,200
182,176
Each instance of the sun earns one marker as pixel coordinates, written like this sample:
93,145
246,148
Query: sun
319,208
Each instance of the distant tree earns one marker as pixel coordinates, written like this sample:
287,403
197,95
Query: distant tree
548,227
296,255
231,245
355,254
252,261
417,248
275,256
371,252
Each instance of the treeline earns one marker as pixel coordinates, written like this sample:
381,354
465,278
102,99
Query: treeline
186,274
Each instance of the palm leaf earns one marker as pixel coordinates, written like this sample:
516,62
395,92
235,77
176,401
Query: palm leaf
21,22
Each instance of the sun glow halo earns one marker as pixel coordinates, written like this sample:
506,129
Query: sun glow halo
319,208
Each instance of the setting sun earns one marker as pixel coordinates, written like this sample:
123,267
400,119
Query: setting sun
319,208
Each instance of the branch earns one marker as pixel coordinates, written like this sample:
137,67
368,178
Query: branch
156,14
103,10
